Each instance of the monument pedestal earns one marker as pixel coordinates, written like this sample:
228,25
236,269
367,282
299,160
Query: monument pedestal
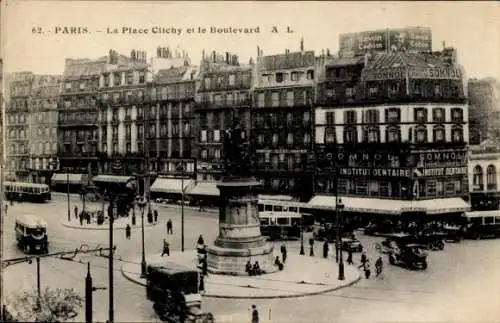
239,239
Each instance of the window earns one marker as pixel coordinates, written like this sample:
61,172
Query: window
216,135
275,139
307,138
229,99
393,88
295,76
457,134
142,77
330,118
275,100
275,161
310,75
372,135
306,117
232,79
371,116
457,115
437,89
439,134
289,139
115,148
67,86
67,104
128,148
438,115
163,130
261,100
491,178
350,117
204,154
203,136
421,134
393,134
130,77
349,92
175,129
128,132
117,79
420,115
217,153
289,98
350,135
290,161
187,128
279,77
329,135
393,115
82,86
477,178
373,91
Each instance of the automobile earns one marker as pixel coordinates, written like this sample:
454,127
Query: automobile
433,240
163,201
409,255
379,228
352,244
453,233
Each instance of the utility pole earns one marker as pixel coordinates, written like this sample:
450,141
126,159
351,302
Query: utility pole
69,208
3,213
111,260
38,277
182,206
88,296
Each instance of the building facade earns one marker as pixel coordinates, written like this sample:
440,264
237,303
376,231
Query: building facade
223,98
43,129
78,116
393,126
282,115
123,104
484,176
484,109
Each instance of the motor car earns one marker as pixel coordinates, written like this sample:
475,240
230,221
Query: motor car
433,240
379,228
352,244
409,255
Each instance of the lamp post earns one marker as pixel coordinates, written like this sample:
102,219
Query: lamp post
142,205
302,236
181,168
69,208
338,209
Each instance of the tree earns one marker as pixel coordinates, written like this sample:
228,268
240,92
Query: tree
54,305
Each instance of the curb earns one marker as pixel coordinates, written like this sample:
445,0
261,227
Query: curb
348,284
104,227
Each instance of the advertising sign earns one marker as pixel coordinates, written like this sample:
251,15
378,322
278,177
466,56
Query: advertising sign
448,73
411,39
443,171
380,74
363,42
379,172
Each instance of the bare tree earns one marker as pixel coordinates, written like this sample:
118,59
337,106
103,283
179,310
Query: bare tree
54,305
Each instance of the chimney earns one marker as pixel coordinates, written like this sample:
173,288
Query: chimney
367,58
258,51
444,45
132,54
302,44
322,53
328,52
214,56
203,55
227,58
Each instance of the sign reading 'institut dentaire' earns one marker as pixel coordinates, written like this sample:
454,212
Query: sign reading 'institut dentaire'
402,172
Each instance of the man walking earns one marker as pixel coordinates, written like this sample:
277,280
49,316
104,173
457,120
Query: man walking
128,231
76,211
311,245
156,215
325,249
166,248
283,252
255,314
169,227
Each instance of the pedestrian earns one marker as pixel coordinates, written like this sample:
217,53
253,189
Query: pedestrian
200,244
283,252
366,268
379,265
311,245
166,248
363,259
150,217
349,257
128,231
6,208
255,314
156,216
76,211
204,267
81,219
87,216
202,283
169,226
325,249
133,219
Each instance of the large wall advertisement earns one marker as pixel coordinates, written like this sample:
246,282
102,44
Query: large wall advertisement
412,39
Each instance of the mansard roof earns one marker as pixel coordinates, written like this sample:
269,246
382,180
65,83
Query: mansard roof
402,59
84,67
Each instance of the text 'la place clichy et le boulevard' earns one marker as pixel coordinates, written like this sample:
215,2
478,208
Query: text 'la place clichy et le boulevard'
179,31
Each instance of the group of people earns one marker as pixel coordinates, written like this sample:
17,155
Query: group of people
365,264
253,270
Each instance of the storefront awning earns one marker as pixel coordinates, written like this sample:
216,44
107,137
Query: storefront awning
205,189
275,197
112,179
388,206
171,185
445,205
64,178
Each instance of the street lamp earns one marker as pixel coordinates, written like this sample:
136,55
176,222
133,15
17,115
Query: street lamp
69,208
338,209
302,236
181,168
142,205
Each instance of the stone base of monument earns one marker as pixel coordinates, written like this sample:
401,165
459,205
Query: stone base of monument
225,261
239,239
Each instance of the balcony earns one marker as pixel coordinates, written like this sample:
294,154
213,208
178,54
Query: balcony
206,105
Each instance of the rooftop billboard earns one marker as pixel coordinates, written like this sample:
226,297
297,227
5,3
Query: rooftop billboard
412,39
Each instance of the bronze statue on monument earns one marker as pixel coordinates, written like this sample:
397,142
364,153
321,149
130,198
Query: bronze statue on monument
239,240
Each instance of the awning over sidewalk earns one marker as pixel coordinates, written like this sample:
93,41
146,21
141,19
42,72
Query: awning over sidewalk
445,205
389,206
275,197
63,178
112,179
205,189
171,185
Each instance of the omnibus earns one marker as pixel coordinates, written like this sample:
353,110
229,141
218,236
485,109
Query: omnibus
283,219
479,224
31,233
29,192
174,291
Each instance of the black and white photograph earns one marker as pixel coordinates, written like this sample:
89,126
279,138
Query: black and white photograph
249,161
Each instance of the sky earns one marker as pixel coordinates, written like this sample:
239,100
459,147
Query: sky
473,28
